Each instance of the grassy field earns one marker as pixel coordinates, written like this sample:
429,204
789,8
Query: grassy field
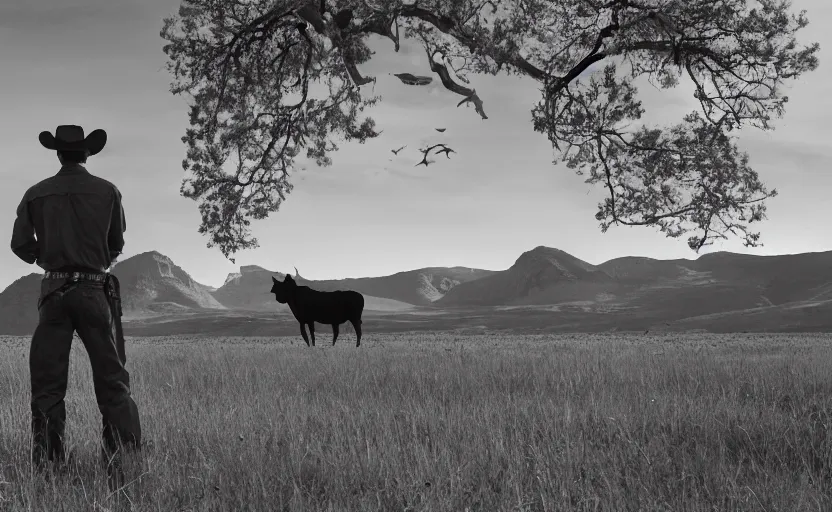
445,422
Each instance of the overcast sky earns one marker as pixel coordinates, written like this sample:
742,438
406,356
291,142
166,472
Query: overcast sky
99,64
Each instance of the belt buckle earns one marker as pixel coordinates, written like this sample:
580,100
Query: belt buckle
75,276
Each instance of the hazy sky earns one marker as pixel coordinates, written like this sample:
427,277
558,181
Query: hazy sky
99,63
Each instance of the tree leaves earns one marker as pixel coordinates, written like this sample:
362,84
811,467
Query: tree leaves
264,88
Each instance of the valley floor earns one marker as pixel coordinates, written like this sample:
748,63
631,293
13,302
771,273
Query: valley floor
442,421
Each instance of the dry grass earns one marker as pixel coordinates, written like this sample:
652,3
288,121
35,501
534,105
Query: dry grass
444,422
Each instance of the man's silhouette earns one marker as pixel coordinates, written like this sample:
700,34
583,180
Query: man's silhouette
72,226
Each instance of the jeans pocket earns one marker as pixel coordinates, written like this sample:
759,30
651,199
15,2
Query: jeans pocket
90,304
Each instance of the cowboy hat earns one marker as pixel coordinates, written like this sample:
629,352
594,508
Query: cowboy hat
69,137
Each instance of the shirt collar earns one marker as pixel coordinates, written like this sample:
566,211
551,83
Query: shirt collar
72,169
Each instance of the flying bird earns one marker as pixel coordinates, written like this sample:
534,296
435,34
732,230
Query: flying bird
396,151
439,129
424,161
411,79
446,150
425,152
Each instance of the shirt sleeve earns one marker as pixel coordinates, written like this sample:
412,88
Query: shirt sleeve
24,244
118,225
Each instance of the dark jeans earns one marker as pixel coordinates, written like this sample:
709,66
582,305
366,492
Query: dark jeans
82,307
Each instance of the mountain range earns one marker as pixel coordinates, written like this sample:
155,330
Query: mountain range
545,288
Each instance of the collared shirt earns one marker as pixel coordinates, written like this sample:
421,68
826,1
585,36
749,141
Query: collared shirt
73,219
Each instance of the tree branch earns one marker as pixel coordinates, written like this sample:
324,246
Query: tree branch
242,62
441,70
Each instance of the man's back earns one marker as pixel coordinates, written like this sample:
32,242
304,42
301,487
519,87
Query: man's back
78,219
72,225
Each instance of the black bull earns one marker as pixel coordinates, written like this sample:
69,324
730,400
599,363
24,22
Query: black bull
310,306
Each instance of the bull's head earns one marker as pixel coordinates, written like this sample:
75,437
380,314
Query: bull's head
284,290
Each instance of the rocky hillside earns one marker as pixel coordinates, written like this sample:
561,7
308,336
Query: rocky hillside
152,283
419,287
544,287
249,288
721,282
541,276
726,289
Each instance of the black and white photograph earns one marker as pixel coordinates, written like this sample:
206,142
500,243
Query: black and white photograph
415,255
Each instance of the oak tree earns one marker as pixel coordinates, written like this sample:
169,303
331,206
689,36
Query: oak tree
249,68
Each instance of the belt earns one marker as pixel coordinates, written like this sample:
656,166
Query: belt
76,276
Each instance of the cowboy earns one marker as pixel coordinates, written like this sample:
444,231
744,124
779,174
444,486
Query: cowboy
72,226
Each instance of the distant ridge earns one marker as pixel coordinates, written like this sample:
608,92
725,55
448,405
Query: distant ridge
150,281
421,287
151,284
249,289
545,288
542,275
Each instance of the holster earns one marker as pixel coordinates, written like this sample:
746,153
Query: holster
113,290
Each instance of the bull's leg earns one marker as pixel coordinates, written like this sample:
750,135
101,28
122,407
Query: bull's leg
312,332
334,333
303,333
356,323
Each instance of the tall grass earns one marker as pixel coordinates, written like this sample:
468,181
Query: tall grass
445,422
